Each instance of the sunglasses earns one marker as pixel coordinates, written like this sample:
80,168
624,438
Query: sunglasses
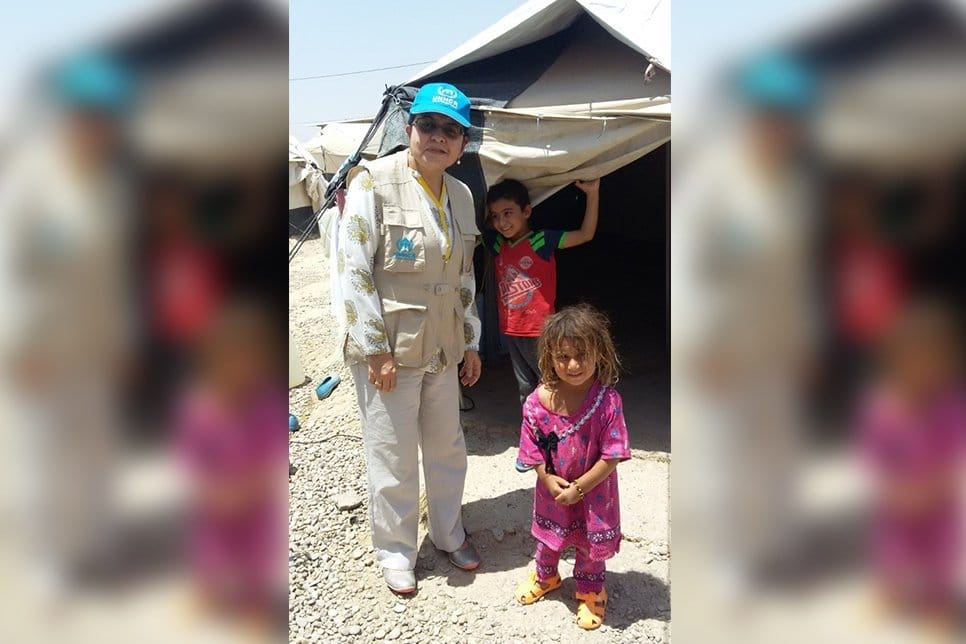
427,125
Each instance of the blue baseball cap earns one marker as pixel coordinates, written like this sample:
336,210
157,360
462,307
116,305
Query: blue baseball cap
91,81
442,98
778,82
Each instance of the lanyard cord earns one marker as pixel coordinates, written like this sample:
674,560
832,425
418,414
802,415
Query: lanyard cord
440,211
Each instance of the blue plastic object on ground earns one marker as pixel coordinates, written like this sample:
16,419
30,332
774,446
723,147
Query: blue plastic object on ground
327,386
293,423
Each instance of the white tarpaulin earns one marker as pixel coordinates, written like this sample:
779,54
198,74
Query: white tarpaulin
549,152
589,93
336,141
643,25
306,181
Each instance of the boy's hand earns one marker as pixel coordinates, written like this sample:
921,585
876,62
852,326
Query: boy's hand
555,484
568,496
591,187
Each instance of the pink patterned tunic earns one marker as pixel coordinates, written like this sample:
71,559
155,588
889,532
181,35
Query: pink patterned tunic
916,450
597,431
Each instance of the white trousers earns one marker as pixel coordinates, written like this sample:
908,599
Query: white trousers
421,413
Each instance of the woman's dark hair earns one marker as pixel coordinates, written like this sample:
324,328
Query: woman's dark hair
509,189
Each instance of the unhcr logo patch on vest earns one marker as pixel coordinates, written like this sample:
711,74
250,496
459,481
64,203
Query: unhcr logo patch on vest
404,250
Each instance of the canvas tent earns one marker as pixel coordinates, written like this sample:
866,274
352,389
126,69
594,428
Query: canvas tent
562,90
894,83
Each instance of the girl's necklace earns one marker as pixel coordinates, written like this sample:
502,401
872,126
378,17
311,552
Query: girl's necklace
575,424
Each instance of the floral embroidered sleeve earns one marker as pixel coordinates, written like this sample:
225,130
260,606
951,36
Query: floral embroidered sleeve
472,327
357,251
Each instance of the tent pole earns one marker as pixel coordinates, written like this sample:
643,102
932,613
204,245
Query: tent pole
339,180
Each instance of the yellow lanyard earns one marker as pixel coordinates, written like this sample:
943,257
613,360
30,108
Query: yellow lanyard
440,211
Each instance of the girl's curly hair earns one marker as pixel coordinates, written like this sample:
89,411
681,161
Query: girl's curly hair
588,330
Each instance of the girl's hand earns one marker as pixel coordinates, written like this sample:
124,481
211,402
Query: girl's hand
472,368
568,496
588,187
555,484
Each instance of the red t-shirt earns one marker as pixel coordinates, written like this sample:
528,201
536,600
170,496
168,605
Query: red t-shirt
187,289
526,279
871,289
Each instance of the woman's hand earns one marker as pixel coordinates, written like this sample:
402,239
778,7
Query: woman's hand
555,484
472,367
382,372
591,187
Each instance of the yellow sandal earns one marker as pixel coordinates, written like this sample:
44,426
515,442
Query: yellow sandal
591,608
531,590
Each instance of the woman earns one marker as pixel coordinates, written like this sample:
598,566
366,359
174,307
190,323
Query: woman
405,262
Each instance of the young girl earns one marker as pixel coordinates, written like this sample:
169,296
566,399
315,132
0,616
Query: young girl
911,437
574,436
230,441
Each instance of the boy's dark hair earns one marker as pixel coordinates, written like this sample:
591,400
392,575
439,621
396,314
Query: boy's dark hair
509,189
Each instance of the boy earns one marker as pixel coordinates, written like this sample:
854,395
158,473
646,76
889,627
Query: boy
526,271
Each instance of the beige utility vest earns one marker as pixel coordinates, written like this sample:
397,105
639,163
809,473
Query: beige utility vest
420,292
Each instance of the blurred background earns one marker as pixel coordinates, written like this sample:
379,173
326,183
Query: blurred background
817,246
141,183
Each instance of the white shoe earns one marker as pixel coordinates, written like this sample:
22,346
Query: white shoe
400,581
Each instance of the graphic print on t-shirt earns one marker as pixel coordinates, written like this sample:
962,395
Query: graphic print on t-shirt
517,288
526,279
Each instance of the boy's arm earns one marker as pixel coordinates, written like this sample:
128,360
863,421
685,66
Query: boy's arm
589,226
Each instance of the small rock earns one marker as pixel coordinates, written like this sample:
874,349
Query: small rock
357,553
380,634
394,634
346,502
355,629
498,534
399,608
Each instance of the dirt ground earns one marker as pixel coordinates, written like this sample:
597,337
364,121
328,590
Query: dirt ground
329,545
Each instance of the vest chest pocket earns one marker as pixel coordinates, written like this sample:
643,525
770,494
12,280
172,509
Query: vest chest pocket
404,240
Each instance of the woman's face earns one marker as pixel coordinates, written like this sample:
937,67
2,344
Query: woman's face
435,141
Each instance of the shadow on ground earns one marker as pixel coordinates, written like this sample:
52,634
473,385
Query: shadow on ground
634,596
493,426
506,548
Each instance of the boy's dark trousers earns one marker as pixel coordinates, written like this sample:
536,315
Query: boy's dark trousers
526,369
